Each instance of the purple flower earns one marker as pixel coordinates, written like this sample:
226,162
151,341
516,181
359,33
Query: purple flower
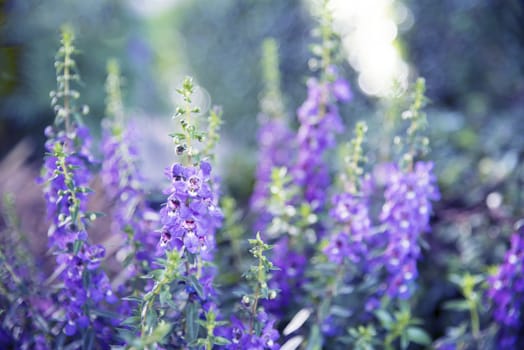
66,178
133,220
243,337
289,277
191,216
405,214
275,150
319,123
351,213
506,291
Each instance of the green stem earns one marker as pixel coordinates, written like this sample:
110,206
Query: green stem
260,277
475,322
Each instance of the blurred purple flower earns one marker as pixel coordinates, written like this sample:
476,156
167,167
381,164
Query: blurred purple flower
506,291
405,214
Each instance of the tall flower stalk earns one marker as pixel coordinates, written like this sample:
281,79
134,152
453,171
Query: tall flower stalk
24,303
319,123
133,220
506,291
319,118
255,329
189,220
83,284
410,190
273,137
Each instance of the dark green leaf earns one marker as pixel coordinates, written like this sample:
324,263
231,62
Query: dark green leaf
192,326
385,318
458,305
195,283
418,335
315,340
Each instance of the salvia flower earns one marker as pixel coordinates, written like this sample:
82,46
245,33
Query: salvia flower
506,291
405,214
319,123
24,303
351,214
133,220
190,216
274,135
273,139
66,178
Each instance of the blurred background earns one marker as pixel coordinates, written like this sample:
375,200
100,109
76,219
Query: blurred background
470,52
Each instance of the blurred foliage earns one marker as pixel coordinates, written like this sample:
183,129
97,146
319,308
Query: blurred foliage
224,49
470,52
28,31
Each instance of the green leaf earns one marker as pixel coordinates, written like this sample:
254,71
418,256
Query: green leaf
418,335
404,341
385,318
76,246
151,318
105,313
88,340
315,340
458,305
220,341
195,283
192,325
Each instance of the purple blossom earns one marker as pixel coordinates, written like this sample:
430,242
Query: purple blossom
243,337
506,290
289,277
319,123
351,213
405,214
85,285
190,216
133,220
274,138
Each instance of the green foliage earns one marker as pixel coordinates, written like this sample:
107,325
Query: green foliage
327,51
271,102
354,159
415,143
209,324
153,306
472,302
287,219
184,141
363,337
231,234
258,275
401,328
64,97
213,131
114,104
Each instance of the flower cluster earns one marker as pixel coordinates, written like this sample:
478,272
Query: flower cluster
66,178
319,123
273,136
24,303
289,278
123,181
190,216
352,213
506,290
405,214
242,337
273,140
